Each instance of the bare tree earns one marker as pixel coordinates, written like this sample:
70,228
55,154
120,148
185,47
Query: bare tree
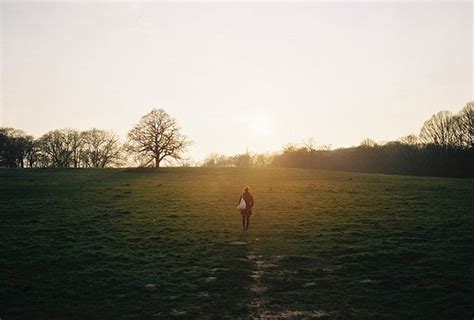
466,125
310,145
368,143
101,148
261,160
439,130
15,146
242,160
155,138
76,139
216,160
61,148
410,140
32,152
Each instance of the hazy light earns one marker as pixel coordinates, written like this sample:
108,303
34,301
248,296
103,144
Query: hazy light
260,126
236,76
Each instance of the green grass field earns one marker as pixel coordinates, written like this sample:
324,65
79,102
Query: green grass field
147,244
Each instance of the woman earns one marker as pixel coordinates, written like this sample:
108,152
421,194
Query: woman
247,212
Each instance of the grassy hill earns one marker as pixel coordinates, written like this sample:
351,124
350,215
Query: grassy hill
147,244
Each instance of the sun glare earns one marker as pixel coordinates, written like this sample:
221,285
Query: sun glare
261,126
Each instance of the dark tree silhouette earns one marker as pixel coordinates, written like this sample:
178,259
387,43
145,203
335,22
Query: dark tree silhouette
439,130
410,140
15,148
61,148
444,147
466,125
100,149
155,138
368,143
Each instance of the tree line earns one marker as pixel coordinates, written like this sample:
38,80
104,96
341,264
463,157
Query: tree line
59,148
154,139
443,147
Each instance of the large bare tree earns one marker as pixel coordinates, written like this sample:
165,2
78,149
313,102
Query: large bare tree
155,138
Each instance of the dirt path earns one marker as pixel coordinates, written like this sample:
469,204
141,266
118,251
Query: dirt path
258,307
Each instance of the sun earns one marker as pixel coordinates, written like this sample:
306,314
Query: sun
261,126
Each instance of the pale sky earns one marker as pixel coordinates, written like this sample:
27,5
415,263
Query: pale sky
236,76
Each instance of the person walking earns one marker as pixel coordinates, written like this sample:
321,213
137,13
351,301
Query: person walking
246,212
